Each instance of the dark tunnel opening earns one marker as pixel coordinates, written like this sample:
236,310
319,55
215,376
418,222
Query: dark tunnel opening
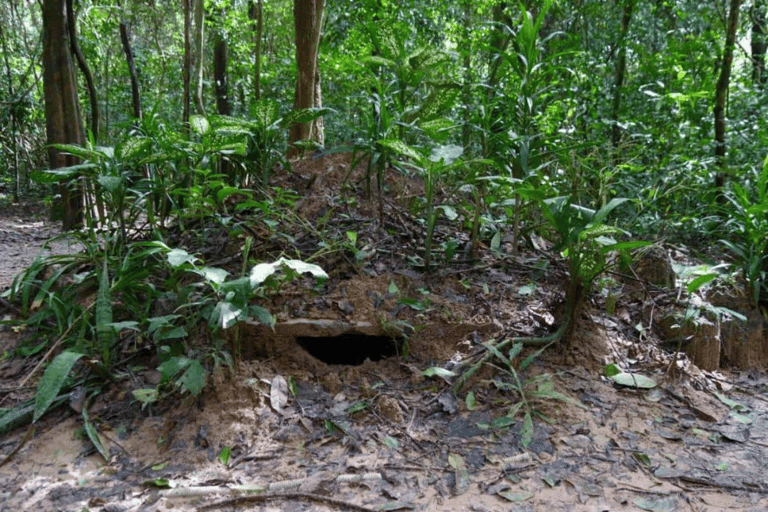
350,348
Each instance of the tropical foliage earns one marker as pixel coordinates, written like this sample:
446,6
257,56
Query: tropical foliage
530,118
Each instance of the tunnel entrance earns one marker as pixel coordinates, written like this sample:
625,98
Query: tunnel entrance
351,348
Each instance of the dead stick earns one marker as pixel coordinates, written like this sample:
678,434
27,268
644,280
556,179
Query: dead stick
242,500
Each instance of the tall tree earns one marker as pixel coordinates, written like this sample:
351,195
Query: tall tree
125,39
621,68
308,20
187,65
759,42
62,114
199,56
721,96
220,61
84,68
257,15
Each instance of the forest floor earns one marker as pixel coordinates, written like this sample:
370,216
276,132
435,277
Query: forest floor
359,427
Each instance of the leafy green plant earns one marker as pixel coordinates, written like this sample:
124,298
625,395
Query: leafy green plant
220,302
441,160
586,241
697,312
748,228
538,388
407,101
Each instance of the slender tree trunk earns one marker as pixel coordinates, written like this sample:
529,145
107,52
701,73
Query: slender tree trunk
759,42
466,87
220,61
621,68
199,55
83,65
62,114
257,14
721,96
187,65
308,20
125,38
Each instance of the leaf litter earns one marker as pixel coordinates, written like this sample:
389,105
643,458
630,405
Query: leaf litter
392,434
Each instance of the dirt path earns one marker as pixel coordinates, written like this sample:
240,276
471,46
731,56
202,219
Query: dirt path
382,436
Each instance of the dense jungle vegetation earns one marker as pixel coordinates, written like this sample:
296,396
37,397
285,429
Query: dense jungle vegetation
595,126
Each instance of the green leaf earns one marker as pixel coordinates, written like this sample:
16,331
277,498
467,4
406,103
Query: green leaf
470,401
446,154
133,148
503,421
97,154
193,379
601,214
306,115
105,330
262,315
632,380
145,396
401,148
172,367
61,173
225,454
642,458
437,371
93,435
526,289
110,183
262,271
199,124
701,281
610,370
461,474
178,257
733,404
161,483
265,112
52,381
526,434
213,274
226,314
449,212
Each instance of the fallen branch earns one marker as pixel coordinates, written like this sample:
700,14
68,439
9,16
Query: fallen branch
185,492
242,500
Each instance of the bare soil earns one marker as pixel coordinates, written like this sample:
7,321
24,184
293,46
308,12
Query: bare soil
310,435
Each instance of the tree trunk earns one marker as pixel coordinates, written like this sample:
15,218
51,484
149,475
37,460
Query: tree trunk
199,56
135,96
220,61
308,19
759,43
621,68
721,95
466,86
257,14
62,115
83,65
187,65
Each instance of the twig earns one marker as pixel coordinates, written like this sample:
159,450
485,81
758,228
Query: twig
242,500
185,492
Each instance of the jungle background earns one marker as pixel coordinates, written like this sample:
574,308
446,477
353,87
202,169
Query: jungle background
301,221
